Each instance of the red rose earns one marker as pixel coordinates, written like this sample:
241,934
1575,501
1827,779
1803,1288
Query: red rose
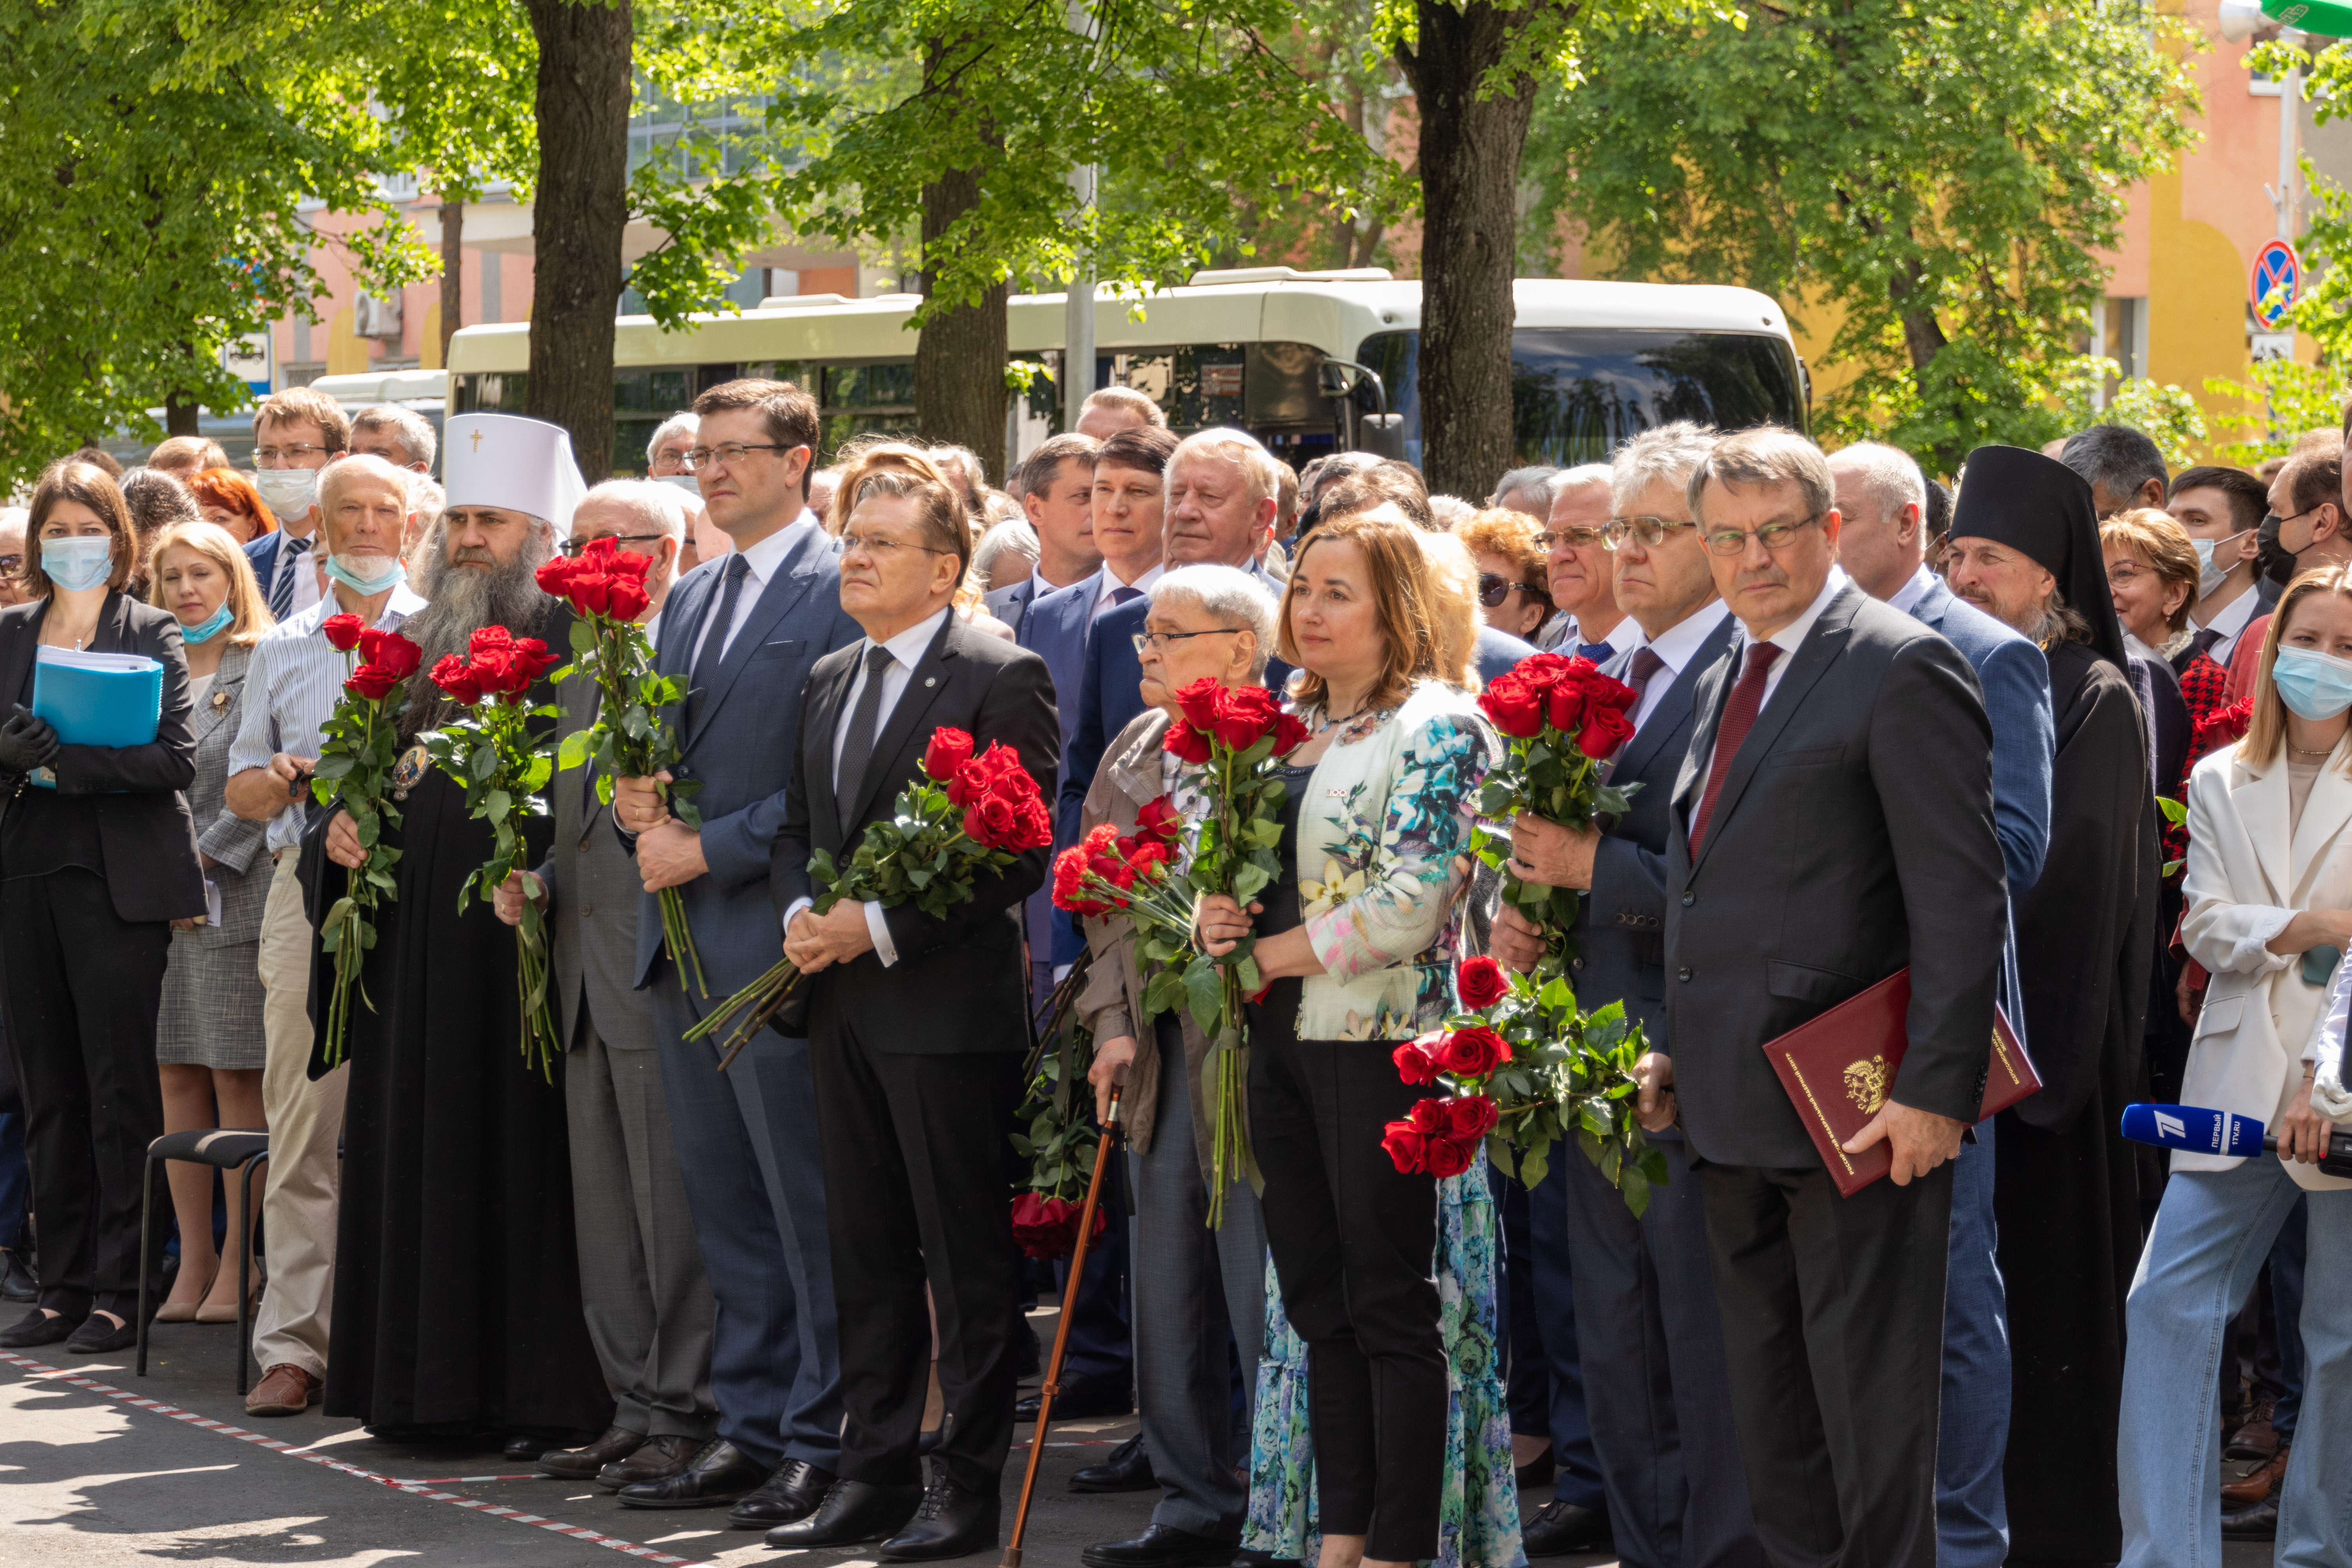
989,821
398,655
592,592
1447,1156
372,682
627,563
1202,701
1474,1052
1605,730
489,638
342,632
1430,1118
1539,672
455,677
539,657
1289,734
1036,823
493,670
627,598
370,639
1048,1227
1247,715
1516,707
554,578
1480,984
600,551
1188,744
1406,1146
1415,1062
1472,1116
949,750
1158,819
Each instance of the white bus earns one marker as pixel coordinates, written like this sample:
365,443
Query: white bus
1593,362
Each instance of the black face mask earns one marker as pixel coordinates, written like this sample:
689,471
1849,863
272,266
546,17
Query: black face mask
2271,559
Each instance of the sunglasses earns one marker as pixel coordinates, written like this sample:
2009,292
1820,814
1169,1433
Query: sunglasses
1493,590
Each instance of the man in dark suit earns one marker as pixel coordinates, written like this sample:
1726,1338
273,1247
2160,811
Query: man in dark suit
1636,1319
918,1029
1833,823
1056,484
740,634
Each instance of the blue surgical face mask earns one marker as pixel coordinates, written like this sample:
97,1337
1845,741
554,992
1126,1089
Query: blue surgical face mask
391,577
210,627
79,562
2312,685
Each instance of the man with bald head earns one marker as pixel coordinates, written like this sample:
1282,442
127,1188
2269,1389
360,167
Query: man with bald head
1588,622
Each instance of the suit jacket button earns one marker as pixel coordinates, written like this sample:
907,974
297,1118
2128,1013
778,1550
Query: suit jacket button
1683,973
1576,963
1689,899
587,910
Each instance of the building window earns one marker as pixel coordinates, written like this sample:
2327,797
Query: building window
2119,333
299,374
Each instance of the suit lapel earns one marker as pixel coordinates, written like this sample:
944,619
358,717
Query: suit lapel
1706,717
786,589
2262,805
21,653
689,602
114,633
1813,655
223,698
924,684
2323,815
820,720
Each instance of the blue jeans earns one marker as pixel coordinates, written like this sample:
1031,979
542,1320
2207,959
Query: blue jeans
2213,1233
1972,1426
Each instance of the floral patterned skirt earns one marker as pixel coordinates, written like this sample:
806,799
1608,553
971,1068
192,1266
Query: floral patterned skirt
1478,1519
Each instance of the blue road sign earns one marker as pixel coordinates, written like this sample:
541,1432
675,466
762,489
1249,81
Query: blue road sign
2277,279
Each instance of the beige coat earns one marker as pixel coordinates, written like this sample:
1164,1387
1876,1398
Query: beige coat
2247,877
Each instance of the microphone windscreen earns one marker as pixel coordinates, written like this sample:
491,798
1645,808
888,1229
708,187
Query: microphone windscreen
2193,1128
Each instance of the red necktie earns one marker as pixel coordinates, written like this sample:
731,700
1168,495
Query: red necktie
1738,717
1646,663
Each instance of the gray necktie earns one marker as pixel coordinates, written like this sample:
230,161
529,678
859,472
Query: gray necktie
858,747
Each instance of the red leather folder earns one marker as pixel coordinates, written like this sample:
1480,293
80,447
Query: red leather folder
1838,1067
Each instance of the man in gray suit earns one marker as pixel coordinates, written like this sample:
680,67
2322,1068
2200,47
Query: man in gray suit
643,1289
1832,824
741,633
1634,1319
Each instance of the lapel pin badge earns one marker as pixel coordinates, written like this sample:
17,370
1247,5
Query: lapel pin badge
930,680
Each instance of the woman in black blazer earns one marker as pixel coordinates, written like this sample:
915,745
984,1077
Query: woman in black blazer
97,857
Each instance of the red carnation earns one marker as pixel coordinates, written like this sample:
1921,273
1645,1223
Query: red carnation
1247,715
627,598
1605,730
1447,1156
1472,1115
1415,1062
1158,819
372,682
1474,1052
1480,984
949,750
1188,744
455,677
1149,860
1048,1227
398,655
1203,702
343,632
1516,707
1407,1146
1069,884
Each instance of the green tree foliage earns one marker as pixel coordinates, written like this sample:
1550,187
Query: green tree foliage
1937,178
2284,399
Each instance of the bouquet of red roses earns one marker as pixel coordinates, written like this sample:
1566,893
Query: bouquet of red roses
493,754
355,770
605,586
975,813
1525,1068
1234,736
1560,720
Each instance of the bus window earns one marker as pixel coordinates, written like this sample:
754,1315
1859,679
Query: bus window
1578,391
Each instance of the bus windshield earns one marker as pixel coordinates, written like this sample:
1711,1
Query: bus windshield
1578,391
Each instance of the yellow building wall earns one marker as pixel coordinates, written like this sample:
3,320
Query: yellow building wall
2196,286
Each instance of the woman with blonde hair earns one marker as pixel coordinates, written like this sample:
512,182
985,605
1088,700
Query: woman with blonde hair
1357,940
208,1033
2268,895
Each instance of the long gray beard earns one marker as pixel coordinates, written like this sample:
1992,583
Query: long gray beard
461,602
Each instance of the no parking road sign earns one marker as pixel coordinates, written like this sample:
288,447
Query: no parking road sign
2277,279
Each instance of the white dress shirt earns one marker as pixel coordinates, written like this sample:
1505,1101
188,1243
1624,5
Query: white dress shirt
1675,647
2232,622
905,650
1106,583
1912,592
1787,639
762,561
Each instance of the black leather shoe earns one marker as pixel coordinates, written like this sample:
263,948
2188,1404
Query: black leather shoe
793,1492
99,1334
852,1512
33,1329
952,1522
583,1463
2258,1523
523,1448
1127,1469
657,1459
1081,1397
720,1472
1564,1526
1161,1546
17,1281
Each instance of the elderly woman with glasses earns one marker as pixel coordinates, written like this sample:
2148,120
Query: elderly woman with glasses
1513,570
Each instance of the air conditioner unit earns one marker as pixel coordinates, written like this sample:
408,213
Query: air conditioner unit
374,317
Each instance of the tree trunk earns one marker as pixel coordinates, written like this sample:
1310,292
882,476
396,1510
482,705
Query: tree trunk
583,207
959,393
1469,166
453,273
180,414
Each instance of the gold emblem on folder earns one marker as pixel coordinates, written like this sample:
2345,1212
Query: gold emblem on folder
1866,1084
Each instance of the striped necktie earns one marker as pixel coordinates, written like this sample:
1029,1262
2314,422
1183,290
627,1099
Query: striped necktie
290,554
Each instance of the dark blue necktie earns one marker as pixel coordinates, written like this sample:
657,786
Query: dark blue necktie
714,640
1597,652
1120,596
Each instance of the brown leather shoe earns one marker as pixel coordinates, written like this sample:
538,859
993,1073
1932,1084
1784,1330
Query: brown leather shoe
2259,1485
284,1390
2257,1439
655,1459
581,1464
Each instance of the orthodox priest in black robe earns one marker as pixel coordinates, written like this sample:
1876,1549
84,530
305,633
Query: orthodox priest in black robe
2026,548
457,1307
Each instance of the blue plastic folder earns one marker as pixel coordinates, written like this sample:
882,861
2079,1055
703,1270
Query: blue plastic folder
96,699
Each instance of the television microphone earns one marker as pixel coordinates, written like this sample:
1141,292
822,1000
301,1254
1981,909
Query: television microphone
2199,1130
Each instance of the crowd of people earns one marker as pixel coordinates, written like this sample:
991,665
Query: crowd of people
1876,725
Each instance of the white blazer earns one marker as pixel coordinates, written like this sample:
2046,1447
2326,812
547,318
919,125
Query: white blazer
2246,880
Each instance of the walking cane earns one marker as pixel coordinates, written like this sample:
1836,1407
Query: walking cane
1052,1385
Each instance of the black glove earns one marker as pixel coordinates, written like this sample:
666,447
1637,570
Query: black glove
26,742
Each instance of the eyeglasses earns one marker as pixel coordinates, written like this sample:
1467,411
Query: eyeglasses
1651,531
11,564
729,453
574,546
1157,642
1574,538
2124,573
293,454
877,550
1493,590
1773,536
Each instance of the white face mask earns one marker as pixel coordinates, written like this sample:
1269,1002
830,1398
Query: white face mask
2209,576
289,493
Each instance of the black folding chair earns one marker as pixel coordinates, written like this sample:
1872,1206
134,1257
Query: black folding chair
225,1149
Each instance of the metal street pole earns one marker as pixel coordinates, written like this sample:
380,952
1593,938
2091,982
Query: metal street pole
1078,304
